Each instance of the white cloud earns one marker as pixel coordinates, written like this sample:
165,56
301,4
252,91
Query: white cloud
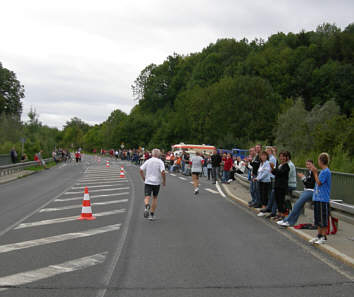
79,58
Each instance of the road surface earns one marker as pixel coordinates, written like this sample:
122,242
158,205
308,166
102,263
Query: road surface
198,246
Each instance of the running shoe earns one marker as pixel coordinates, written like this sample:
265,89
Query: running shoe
280,222
151,217
146,211
284,224
313,240
321,240
196,191
261,214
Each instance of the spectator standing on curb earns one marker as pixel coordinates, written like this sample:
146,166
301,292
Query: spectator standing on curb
254,184
306,195
272,205
215,161
321,198
40,159
239,165
197,165
281,174
209,166
227,168
13,155
292,174
263,178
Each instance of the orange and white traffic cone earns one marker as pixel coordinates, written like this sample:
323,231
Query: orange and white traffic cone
122,175
107,164
86,212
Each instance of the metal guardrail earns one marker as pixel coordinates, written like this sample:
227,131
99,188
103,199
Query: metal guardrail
342,186
5,159
338,204
13,168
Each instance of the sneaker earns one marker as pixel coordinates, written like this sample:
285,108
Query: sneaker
151,217
280,222
265,210
229,181
313,240
196,191
261,214
321,240
284,224
269,216
146,211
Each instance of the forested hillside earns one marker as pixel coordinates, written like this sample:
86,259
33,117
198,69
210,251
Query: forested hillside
295,90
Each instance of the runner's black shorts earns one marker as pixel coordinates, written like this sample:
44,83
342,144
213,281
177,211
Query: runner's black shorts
196,173
154,189
321,213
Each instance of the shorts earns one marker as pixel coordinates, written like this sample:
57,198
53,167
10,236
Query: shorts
196,173
321,213
154,189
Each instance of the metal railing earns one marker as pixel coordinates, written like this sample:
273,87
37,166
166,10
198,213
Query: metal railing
13,168
342,186
341,182
5,159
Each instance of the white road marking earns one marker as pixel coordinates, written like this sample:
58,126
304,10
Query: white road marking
211,191
94,191
182,178
57,238
96,186
79,206
116,181
191,183
102,175
219,189
92,196
102,179
172,174
27,277
67,219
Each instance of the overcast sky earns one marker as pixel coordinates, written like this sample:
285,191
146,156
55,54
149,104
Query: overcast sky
79,58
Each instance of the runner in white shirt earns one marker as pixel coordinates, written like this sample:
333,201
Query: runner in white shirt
197,164
154,171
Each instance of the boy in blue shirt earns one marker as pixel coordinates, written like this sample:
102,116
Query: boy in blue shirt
321,198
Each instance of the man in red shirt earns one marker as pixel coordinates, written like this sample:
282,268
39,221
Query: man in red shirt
227,168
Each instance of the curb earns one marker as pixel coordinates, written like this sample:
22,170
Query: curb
16,177
325,248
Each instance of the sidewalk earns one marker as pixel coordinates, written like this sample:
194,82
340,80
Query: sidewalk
14,176
340,245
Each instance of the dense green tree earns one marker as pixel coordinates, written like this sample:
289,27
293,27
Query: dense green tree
11,93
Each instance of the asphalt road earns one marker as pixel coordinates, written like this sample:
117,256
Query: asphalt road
197,246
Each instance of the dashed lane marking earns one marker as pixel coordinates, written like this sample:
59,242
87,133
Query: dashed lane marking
79,206
115,181
172,174
24,278
96,186
57,238
67,219
92,196
101,179
100,190
182,178
211,191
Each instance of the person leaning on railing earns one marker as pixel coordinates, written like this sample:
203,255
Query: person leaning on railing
309,183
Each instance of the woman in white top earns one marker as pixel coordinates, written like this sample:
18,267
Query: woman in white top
197,167
239,165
